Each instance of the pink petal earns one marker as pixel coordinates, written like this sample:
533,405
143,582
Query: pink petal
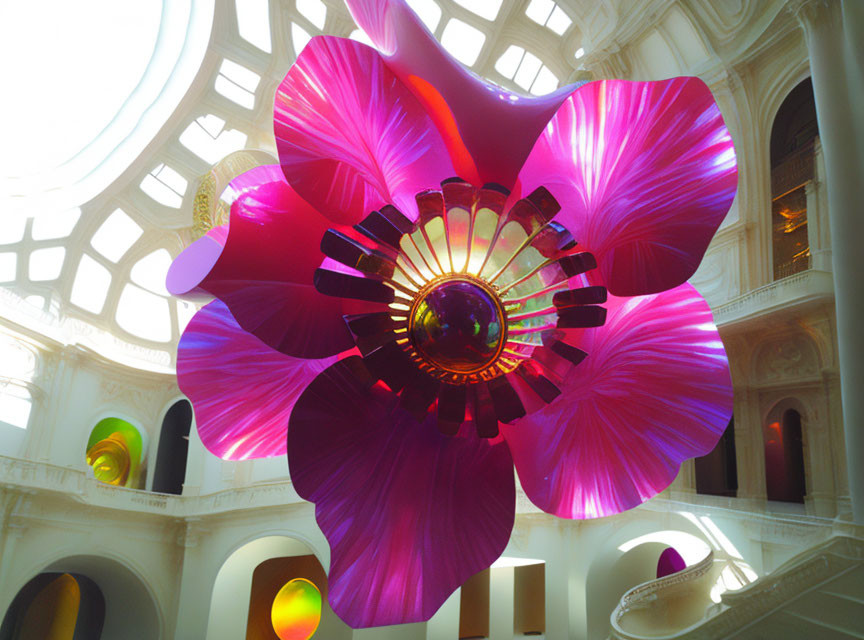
351,136
264,270
498,127
242,390
410,513
645,172
654,391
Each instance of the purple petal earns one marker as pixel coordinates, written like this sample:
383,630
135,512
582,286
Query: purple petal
654,391
264,270
645,172
242,390
351,137
410,513
498,127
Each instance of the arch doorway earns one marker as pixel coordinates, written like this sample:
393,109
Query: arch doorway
173,451
784,455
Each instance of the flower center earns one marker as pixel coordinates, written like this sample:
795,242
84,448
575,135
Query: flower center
458,324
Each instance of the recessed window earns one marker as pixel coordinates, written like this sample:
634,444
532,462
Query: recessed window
299,37
253,22
12,229
46,264
53,226
8,266
428,11
237,83
165,186
116,235
314,11
549,14
91,285
208,139
144,314
484,8
579,53
15,405
463,41
150,271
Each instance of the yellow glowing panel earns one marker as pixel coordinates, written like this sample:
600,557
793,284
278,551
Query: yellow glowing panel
296,610
110,459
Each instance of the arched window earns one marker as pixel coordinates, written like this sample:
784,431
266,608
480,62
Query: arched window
792,157
115,453
717,472
173,449
784,456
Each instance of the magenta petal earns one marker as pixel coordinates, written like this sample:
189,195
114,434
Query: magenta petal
242,390
498,127
264,270
654,391
645,172
409,513
351,136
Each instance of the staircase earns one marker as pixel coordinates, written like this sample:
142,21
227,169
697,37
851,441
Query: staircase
818,595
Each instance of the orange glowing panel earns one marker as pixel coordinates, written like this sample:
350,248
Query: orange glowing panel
110,459
296,610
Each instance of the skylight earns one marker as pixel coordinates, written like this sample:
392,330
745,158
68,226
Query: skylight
526,70
185,312
46,264
314,11
150,271
8,267
106,46
253,22
165,186
237,83
360,36
116,235
463,41
144,314
579,53
207,138
54,226
90,288
12,229
549,14
487,9
428,11
299,37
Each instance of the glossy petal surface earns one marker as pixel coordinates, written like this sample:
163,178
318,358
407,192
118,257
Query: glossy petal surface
264,271
498,127
645,172
410,513
241,389
351,136
654,391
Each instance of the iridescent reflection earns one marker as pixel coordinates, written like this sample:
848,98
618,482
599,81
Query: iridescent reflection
296,610
458,326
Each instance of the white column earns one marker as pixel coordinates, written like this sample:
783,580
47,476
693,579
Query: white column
835,39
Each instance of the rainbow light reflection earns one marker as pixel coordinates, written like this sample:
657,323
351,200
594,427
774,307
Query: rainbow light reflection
296,610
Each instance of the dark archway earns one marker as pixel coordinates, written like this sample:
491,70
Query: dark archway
793,135
170,470
717,472
784,458
56,606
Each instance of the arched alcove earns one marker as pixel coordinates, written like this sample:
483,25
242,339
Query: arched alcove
793,136
55,606
785,479
115,452
170,472
244,576
717,472
109,601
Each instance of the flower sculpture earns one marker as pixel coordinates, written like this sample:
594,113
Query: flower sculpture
418,334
